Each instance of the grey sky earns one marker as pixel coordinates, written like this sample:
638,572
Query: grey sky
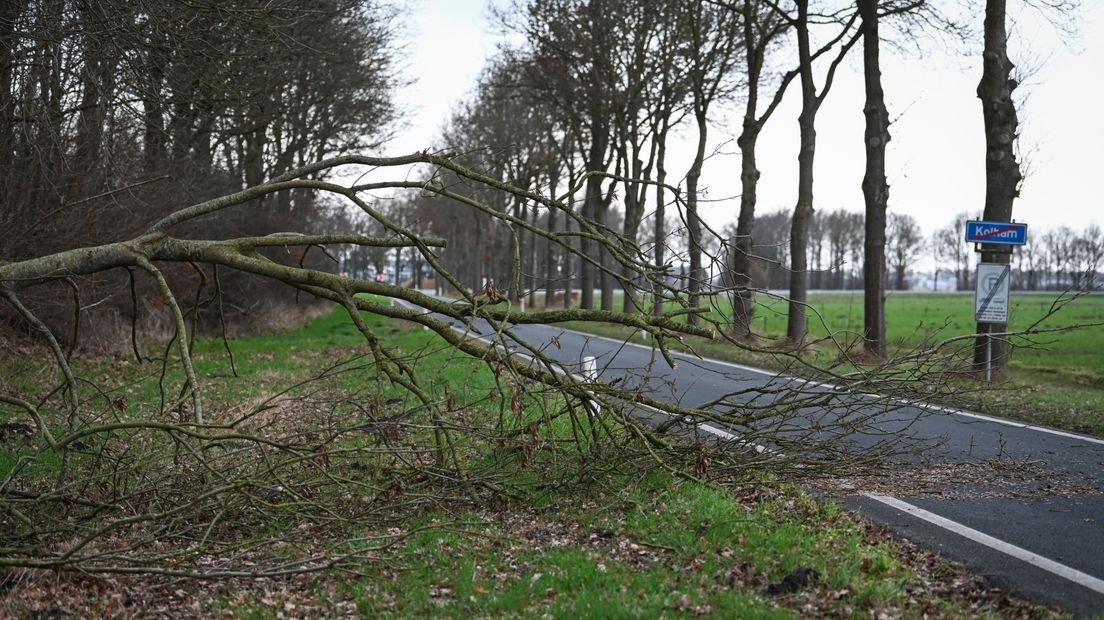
936,158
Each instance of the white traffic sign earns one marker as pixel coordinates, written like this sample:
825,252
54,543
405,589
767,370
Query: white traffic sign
991,296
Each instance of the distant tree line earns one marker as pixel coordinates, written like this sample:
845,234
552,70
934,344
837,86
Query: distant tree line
1053,259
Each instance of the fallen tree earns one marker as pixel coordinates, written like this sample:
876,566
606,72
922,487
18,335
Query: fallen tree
193,486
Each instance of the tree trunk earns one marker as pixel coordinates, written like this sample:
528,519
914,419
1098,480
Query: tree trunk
598,124
153,137
874,186
518,253
550,275
693,223
743,307
592,209
568,256
803,212
635,200
607,279
532,254
660,215
1002,171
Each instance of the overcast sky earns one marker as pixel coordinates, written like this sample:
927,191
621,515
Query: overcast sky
936,156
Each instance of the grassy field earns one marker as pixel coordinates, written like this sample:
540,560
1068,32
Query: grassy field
1057,378
915,318
592,533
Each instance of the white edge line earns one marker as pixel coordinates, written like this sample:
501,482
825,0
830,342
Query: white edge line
767,373
1072,574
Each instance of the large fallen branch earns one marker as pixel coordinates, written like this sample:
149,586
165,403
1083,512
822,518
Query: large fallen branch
171,491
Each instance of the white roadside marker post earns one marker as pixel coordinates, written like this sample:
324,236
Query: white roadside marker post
590,375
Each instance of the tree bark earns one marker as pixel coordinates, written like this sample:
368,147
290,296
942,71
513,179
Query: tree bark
569,273
660,215
607,279
803,212
592,209
1002,171
635,201
874,186
693,222
743,307
550,275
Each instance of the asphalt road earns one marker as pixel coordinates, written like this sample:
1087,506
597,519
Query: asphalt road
1025,509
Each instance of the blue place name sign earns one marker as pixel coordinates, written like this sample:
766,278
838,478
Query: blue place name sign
996,232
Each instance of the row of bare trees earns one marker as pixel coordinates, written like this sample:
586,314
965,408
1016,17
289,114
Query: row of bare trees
120,112
835,250
585,107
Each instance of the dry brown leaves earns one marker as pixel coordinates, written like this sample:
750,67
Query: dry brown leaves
974,480
44,594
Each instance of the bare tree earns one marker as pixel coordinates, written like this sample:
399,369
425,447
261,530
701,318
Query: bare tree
843,231
951,242
937,264
903,247
649,97
321,454
811,100
711,36
1090,250
762,28
817,233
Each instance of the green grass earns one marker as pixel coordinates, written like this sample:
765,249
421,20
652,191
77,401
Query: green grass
653,548
915,318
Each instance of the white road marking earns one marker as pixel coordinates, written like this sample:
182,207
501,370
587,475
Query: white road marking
1036,560
1032,427
767,373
